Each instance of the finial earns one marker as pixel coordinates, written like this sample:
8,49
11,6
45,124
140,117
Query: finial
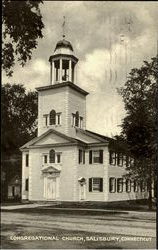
63,25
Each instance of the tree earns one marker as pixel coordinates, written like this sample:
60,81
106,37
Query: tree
22,26
19,125
139,126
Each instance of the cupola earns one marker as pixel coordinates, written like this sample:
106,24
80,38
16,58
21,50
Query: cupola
63,62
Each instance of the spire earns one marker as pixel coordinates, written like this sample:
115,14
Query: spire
63,26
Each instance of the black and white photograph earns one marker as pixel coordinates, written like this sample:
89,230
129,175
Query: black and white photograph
79,124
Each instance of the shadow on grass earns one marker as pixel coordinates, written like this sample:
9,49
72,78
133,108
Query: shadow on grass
49,211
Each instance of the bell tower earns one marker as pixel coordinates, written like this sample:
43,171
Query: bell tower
63,62
62,104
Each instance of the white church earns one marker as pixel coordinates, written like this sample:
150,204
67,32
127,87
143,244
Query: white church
66,162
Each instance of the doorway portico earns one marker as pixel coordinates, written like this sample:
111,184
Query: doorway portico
51,177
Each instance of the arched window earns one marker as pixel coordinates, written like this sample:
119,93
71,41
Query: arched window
52,117
52,156
77,119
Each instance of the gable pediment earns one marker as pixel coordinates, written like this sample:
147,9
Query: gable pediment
51,138
50,169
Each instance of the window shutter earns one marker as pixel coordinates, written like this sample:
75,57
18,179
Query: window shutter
118,158
110,157
84,157
77,119
101,156
27,184
79,156
115,186
110,185
101,184
90,157
27,160
90,184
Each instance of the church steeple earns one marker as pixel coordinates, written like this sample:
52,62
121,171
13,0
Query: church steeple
63,62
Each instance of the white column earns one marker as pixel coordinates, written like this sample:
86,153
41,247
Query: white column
60,71
53,75
75,73
70,70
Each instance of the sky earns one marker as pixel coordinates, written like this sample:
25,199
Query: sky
109,38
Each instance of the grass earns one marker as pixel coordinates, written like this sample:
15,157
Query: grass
134,205
139,205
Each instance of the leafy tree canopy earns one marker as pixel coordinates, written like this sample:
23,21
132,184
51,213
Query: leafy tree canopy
22,27
19,117
140,125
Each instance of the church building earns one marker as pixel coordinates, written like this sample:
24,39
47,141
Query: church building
67,162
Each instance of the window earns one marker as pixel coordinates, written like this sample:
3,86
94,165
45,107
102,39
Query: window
112,185
96,185
73,119
96,156
46,119
119,185
26,184
119,159
58,118
27,160
135,185
58,157
77,121
142,186
52,156
45,160
124,160
81,122
112,159
128,185
52,117
81,156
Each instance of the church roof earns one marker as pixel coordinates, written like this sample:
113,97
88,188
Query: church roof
63,44
70,140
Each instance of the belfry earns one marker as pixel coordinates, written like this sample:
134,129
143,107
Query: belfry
63,63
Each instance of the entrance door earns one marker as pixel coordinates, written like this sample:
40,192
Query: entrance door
82,191
51,188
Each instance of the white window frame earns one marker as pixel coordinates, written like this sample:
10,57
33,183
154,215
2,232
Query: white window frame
58,115
93,152
43,157
135,186
118,190
81,122
73,119
98,191
113,157
112,183
56,157
46,120
128,185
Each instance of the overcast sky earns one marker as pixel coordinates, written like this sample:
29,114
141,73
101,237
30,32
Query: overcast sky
109,38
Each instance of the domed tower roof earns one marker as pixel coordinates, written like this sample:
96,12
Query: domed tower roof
63,47
63,44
